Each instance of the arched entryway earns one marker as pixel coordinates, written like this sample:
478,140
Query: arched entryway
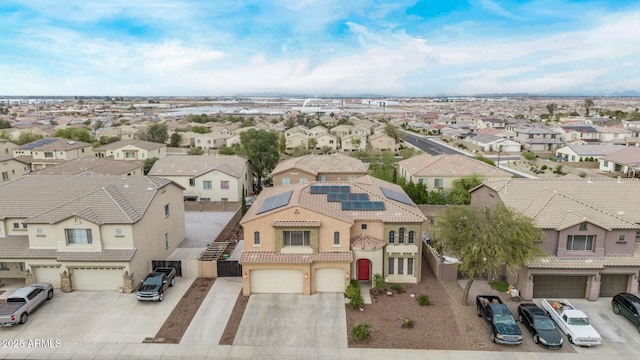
364,270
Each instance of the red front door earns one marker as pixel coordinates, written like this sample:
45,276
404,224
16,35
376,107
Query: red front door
363,269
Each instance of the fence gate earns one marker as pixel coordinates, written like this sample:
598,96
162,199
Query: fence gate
176,264
229,268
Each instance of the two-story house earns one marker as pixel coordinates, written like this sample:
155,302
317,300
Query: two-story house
536,138
308,168
591,230
51,151
316,237
11,168
382,142
207,177
131,150
6,147
440,171
95,232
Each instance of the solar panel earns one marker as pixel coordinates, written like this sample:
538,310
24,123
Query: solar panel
38,143
397,196
275,201
363,205
335,197
327,189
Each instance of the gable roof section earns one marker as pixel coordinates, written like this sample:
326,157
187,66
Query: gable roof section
53,144
317,164
449,166
145,145
94,165
99,199
628,155
301,196
594,150
197,165
565,202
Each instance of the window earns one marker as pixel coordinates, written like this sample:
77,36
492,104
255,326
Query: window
530,136
400,266
391,266
129,155
296,238
205,199
438,183
166,210
224,184
48,154
79,236
302,180
364,227
606,163
580,242
410,266
119,232
622,238
412,236
24,226
401,236
40,231
286,181
583,226
192,182
256,238
224,199
392,236
206,185
336,238
4,266
322,178
5,176
166,241
16,225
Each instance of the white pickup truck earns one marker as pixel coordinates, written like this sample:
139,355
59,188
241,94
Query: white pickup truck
23,301
574,323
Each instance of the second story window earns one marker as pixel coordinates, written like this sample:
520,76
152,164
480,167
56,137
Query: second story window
79,236
296,238
412,235
166,210
583,226
256,238
581,242
206,185
224,184
401,236
392,237
48,154
336,238
192,182
364,227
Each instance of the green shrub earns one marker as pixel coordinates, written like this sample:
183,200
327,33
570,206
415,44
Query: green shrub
529,155
361,333
423,300
397,288
379,286
544,167
501,286
408,323
352,292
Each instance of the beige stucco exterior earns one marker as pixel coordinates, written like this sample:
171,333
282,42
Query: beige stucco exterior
11,169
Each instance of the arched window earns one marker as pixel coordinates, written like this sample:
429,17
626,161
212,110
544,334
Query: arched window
336,238
412,235
401,236
392,236
256,238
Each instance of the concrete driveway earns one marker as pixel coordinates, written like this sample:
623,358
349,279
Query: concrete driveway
292,320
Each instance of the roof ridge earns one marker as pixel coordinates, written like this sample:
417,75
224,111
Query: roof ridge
591,207
121,195
63,204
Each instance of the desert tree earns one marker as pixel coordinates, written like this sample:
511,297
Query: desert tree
588,104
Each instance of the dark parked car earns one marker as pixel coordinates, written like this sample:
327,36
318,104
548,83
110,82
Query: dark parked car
540,325
628,305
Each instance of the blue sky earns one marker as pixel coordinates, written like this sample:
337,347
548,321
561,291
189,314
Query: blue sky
396,48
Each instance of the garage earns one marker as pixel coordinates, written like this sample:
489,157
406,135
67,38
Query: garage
548,286
329,280
97,278
613,284
50,274
276,281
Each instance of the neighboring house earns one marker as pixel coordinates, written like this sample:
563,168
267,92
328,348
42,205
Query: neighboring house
207,177
94,166
537,138
591,229
93,230
353,142
485,123
187,138
625,161
7,147
492,143
317,131
297,139
306,238
361,131
613,135
131,150
308,168
341,130
580,152
587,133
382,142
211,140
439,172
11,168
295,130
328,140
51,151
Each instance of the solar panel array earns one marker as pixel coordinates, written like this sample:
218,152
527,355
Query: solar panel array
339,197
363,205
275,201
38,143
397,196
327,189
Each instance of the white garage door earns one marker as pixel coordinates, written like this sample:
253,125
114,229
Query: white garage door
50,274
329,280
97,278
276,281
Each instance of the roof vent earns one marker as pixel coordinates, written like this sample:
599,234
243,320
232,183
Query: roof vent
619,180
70,142
126,186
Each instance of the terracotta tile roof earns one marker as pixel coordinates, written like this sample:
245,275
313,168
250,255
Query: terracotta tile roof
104,255
553,262
54,144
297,223
196,165
17,247
317,164
145,145
91,164
366,242
563,202
627,155
272,257
450,166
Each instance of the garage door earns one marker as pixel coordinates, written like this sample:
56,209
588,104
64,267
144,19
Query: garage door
329,280
276,281
559,286
613,284
98,278
50,274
